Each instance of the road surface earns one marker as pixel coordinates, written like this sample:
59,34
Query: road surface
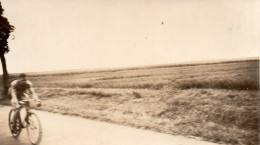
67,130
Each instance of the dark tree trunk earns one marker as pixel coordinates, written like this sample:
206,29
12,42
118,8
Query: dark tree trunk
5,77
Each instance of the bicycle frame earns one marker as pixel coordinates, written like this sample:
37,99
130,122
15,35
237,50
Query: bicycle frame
16,124
23,104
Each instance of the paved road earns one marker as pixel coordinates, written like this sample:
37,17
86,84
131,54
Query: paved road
67,130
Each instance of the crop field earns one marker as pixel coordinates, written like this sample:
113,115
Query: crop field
216,102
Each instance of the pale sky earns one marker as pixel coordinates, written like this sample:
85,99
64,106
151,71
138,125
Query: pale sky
83,34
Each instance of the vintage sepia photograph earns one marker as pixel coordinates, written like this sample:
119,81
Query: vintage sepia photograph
129,72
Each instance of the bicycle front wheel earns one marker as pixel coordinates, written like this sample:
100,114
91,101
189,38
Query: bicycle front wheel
34,129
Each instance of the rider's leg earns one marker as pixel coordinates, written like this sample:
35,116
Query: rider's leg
23,112
16,113
16,107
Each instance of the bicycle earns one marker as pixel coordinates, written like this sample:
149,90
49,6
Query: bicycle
31,122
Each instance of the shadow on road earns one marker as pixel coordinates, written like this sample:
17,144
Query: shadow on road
6,137
9,140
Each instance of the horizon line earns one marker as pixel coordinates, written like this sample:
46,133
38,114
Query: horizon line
142,66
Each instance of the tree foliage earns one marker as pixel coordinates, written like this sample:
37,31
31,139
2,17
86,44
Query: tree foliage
5,30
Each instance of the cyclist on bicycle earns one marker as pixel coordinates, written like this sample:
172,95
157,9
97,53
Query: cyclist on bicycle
19,90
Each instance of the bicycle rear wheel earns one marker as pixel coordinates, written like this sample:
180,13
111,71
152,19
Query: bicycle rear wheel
34,129
14,123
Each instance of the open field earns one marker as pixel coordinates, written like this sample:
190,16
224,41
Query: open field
213,101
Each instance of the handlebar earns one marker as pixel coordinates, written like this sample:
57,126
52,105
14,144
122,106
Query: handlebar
26,102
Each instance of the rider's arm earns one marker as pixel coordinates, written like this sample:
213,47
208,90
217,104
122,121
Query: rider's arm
31,89
13,92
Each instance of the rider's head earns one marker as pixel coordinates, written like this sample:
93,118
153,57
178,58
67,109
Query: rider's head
23,76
